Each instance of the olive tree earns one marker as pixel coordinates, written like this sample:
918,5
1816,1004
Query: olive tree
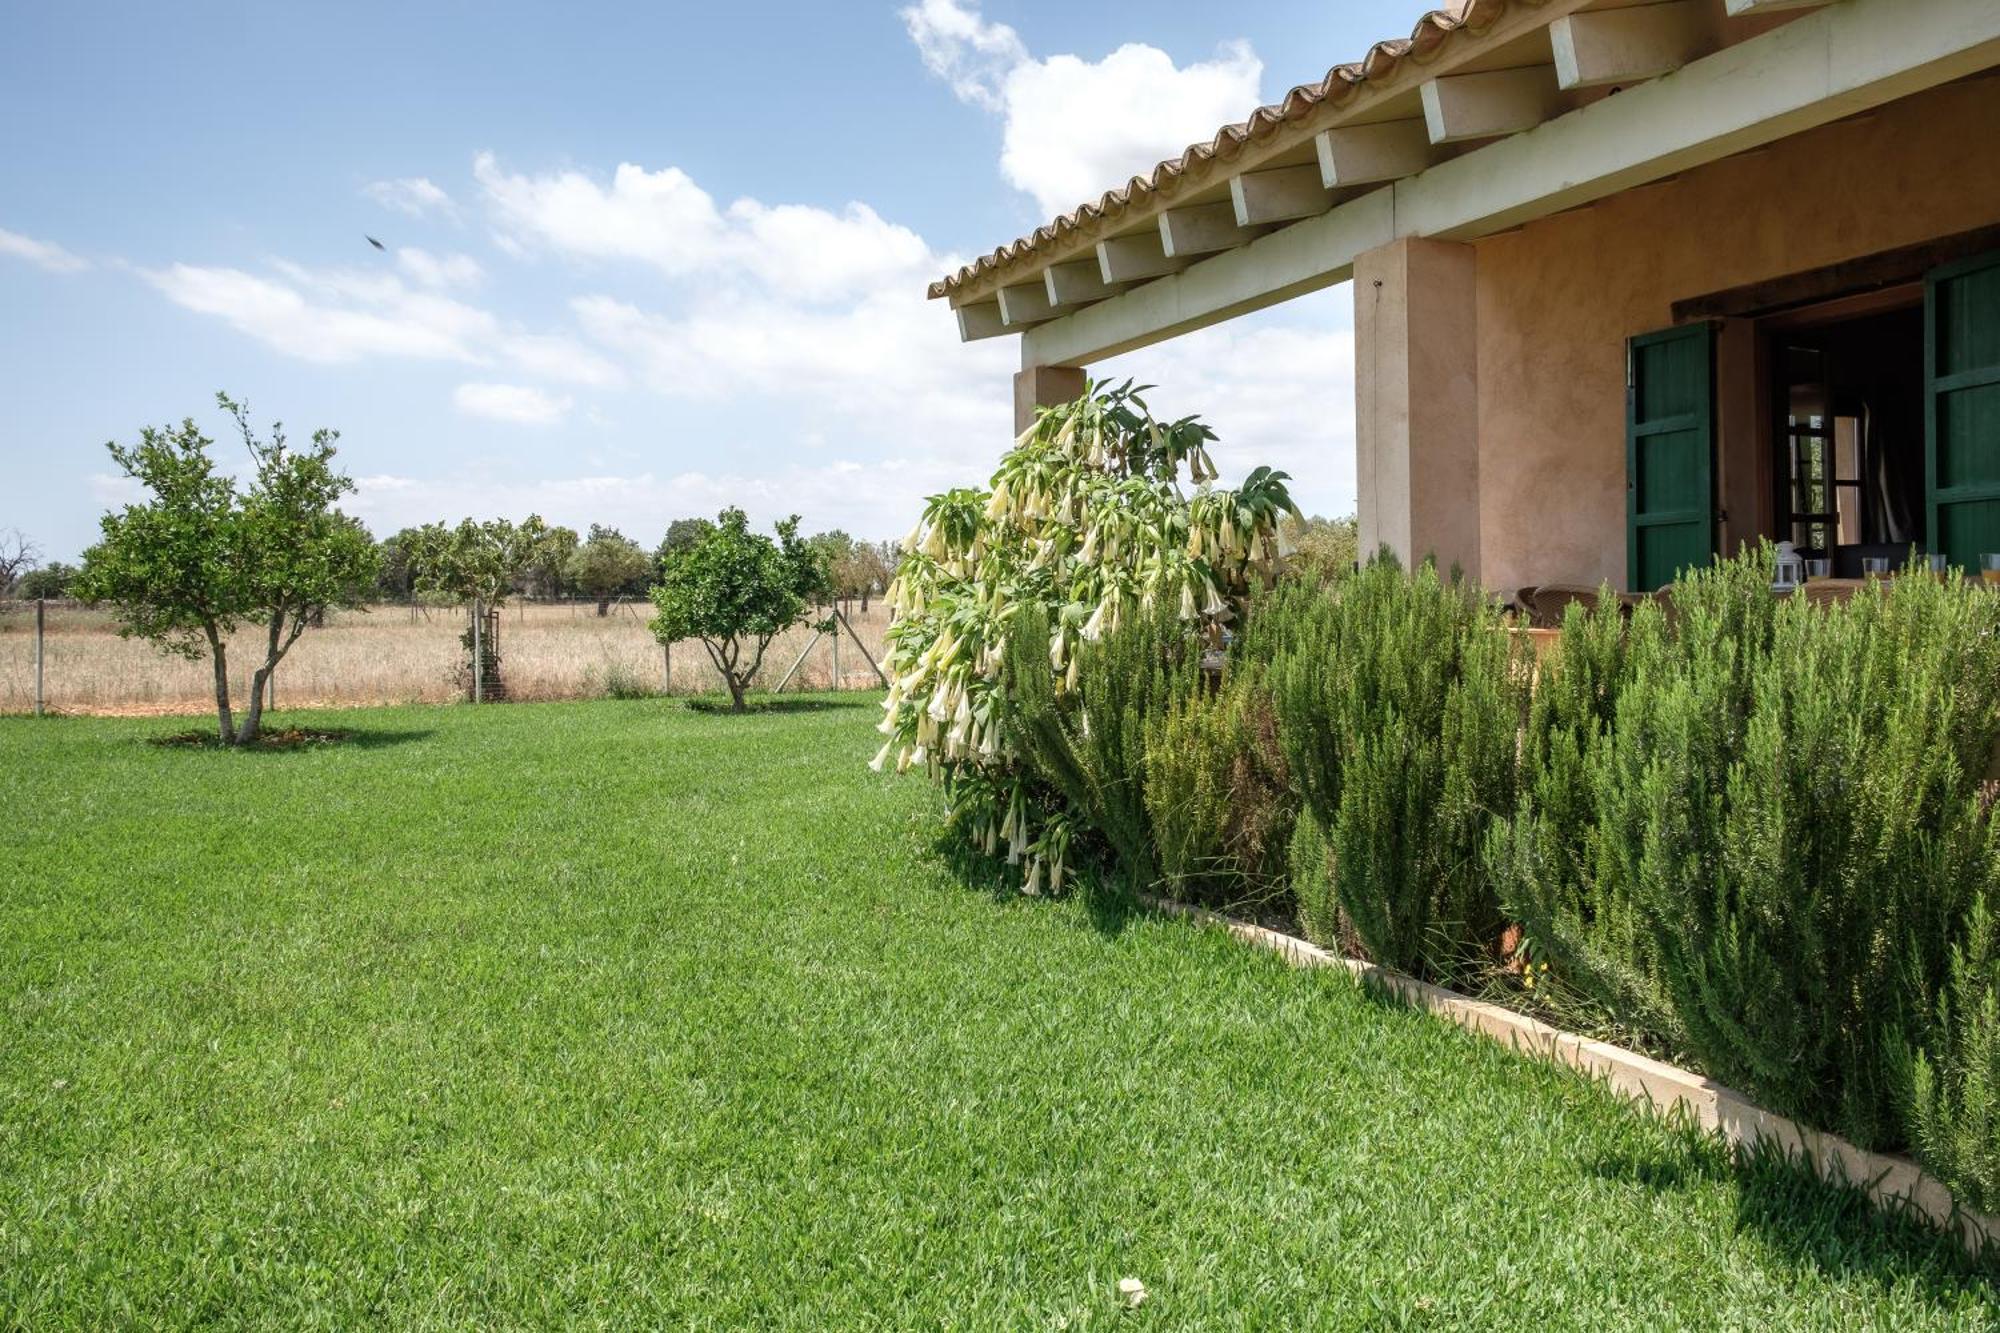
606,564
51,581
185,567
736,590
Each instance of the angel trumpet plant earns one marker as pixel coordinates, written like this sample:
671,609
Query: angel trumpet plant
1087,519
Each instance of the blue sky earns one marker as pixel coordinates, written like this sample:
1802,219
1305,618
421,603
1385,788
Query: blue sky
641,261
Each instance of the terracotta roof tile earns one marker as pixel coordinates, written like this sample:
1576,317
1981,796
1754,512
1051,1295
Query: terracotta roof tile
1193,166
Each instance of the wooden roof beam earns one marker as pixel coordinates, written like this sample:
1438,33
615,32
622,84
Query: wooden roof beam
1283,194
1487,106
1025,303
981,319
1614,46
1078,282
1366,154
1203,229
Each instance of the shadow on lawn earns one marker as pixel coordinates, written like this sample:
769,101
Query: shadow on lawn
1827,1228
719,705
1108,903
294,740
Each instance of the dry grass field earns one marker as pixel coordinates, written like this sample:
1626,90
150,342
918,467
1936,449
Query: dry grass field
390,655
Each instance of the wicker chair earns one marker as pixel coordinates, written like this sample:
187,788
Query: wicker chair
1547,603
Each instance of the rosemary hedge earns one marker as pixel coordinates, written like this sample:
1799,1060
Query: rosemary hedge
1756,834
1399,704
1760,831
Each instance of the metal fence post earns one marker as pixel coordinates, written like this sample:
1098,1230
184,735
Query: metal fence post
39,620
478,651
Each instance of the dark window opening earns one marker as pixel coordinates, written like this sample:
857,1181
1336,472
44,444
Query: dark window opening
1849,437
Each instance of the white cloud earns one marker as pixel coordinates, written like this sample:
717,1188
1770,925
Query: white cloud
518,403
1139,109
1073,127
336,316
661,217
958,46
45,254
558,356
414,195
381,320
664,219
431,270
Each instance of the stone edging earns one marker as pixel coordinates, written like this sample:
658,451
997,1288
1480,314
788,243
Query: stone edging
1892,1182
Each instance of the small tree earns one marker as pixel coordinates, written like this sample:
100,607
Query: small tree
682,533
547,571
395,581
479,563
51,581
606,564
736,590
183,569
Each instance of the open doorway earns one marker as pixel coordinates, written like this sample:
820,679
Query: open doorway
1848,438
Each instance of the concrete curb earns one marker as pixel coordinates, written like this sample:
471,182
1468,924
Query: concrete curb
1894,1183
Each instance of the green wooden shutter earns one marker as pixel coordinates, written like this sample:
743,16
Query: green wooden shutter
1669,454
1962,408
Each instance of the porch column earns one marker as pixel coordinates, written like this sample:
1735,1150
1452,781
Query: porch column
1416,402
1044,386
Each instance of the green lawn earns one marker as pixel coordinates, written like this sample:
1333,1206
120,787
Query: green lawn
623,1014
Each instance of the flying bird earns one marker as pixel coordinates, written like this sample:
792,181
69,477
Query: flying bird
372,241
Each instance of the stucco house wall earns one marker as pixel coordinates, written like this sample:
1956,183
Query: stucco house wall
1557,299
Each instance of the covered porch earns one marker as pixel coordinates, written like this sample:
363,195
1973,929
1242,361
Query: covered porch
1634,284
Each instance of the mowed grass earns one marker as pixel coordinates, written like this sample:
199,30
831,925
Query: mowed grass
623,1014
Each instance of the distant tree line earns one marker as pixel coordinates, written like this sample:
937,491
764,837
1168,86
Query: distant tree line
605,566
204,554
544,561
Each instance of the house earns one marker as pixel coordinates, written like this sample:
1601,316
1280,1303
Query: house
1634,283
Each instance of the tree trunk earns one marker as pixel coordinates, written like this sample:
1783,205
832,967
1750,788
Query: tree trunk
736,688
864,601
218,655
604,606
253,716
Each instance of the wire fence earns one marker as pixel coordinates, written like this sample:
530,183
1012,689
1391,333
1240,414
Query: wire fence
72,659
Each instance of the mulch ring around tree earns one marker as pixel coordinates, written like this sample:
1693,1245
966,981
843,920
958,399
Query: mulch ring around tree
285,738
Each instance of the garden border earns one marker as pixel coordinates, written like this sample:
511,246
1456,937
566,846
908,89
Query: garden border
1892,1182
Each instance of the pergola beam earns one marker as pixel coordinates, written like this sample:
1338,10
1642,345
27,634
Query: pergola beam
1283,194
1202,229
1025,303
1823,67
1458,107
1737,8
1136,258
1078,282
1365,154
981,319
1617,46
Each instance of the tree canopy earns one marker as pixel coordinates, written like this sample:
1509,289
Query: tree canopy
185,567
736,590
479,561
607,564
